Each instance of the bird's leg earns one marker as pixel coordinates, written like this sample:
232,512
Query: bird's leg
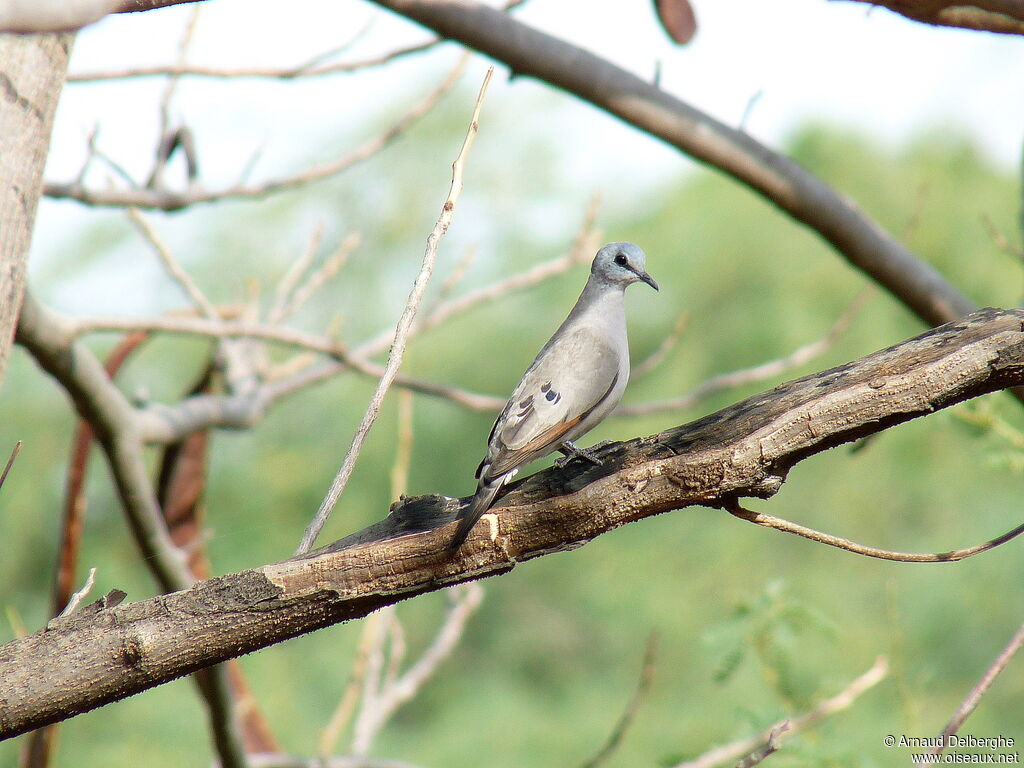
572,452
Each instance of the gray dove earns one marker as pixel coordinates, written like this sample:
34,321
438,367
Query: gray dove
575,381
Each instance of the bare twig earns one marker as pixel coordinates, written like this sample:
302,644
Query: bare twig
626,718
376,637
10,462
287,73
769,521
465,599
1000,239
401,332
169,140
757,373
80,595
353,691
174,268
837,703
770,746
169,200
291,278
968,705
658,356
321,276
453,279
582,250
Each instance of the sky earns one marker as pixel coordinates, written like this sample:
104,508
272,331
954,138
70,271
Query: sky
783,62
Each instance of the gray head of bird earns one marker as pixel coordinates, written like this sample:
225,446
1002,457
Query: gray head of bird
621,264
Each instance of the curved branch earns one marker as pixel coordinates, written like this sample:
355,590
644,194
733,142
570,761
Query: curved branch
801,194
98,655
770,521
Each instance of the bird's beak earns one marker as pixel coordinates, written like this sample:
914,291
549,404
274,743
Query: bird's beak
647,279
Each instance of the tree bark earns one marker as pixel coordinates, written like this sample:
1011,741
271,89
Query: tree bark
100,654
32,72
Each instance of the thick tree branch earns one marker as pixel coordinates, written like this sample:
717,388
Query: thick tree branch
1001,16
98,655
805,197
32,72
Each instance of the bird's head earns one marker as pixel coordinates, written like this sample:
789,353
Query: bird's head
621,264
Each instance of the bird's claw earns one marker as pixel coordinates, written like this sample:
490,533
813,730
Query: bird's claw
572,453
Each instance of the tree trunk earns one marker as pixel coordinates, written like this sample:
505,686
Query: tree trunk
32,71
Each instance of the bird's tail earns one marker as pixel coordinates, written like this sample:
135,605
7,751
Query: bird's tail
486,490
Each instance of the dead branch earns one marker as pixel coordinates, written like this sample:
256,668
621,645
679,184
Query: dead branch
403,330
770,521
769,740
99,655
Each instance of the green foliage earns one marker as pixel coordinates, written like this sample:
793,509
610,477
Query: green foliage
754,625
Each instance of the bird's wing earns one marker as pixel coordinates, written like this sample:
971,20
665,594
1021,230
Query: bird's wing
567,381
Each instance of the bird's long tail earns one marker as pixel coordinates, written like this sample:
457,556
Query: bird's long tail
486,490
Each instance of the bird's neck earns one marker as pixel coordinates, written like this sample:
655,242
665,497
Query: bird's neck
600,300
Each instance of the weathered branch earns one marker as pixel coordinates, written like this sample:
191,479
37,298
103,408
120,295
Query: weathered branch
99,655
805,197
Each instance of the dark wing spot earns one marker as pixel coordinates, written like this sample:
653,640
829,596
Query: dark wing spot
551,396
546,387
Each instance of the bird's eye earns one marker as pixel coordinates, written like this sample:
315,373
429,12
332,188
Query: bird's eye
621,260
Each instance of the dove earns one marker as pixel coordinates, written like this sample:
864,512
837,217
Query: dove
575,381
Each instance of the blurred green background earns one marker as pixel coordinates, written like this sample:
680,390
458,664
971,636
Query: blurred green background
752,625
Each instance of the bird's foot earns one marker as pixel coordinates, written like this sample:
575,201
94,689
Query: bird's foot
572,453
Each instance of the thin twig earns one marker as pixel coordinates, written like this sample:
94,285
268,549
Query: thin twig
291,277
969,704
770,521
756,373
401,332
658,356
582,249
321,276
466,598
165,145
287,73
169,200
172,265
10,462
351,695
80,595
626,718
837,703
770,746
376,629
